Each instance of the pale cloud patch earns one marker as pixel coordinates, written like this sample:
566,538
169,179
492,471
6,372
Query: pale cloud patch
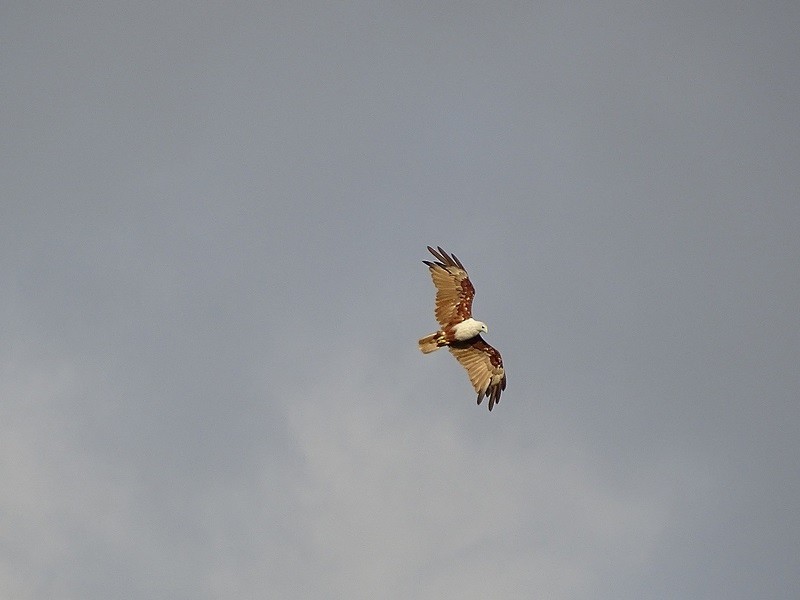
52,497
393,500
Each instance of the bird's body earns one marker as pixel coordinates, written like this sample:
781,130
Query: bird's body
459,332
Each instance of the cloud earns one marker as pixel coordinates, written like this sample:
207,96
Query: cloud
392,500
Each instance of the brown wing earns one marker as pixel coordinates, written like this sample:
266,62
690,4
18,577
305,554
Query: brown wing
484,366
454,291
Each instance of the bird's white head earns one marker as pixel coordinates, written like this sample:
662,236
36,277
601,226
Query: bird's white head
469,328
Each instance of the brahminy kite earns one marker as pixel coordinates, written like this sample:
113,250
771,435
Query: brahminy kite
459,332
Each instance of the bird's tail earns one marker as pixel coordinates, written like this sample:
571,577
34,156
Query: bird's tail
432,342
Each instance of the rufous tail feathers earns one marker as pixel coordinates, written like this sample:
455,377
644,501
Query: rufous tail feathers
432,342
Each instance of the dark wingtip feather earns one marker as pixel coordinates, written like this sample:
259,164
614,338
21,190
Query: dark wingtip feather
436,254
447,258
494,395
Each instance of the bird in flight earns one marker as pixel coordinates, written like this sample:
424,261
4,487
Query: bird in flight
459,332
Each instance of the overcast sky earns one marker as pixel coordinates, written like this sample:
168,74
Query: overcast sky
212,223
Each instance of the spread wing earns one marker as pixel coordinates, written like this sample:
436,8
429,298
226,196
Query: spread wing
454,291
484,366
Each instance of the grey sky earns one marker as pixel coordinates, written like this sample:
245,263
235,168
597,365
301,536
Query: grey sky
212,223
